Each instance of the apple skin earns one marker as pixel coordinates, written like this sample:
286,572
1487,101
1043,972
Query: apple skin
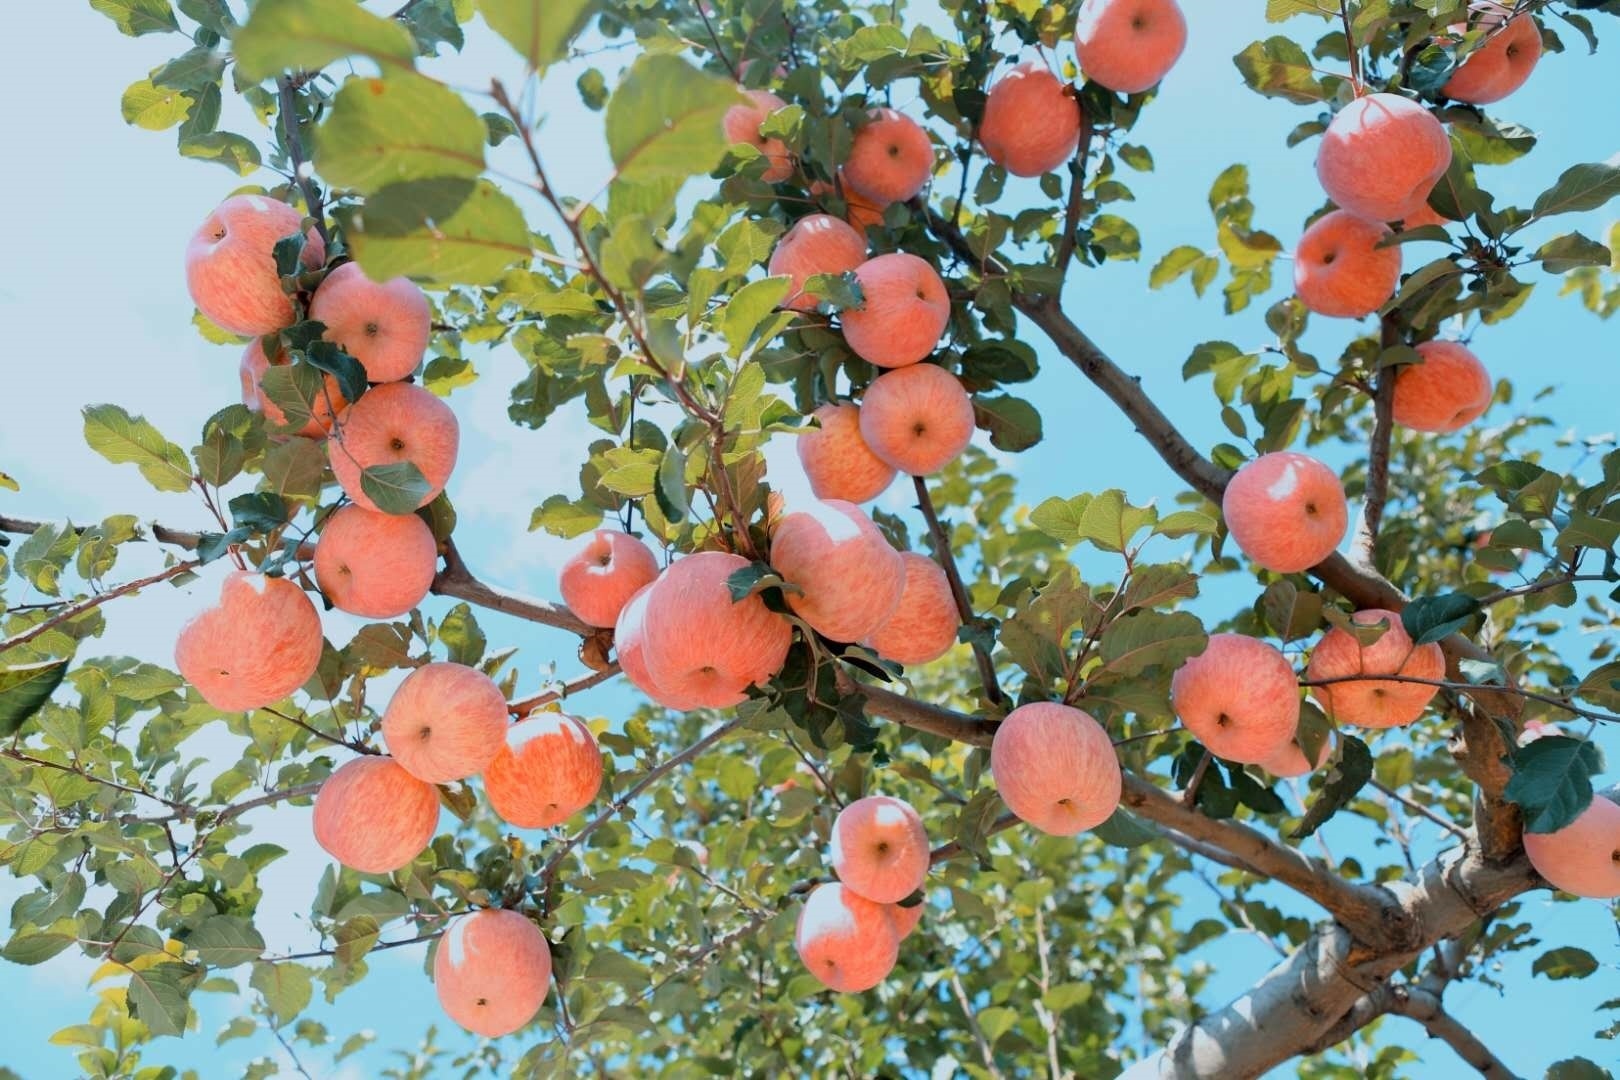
1129,45
1031,122
918,419
628,634
904,313
1375,704
231,264
817,244
491,971
923,626
548,770
373,816
1381,156
602,576
702,646
1286,511
847,942
849,576
1582,858
1499,67
1339,269
384,325
879,849
1448,391
252,371
445,722
393,423
1055,768
1239,697
836,459
890,159
259,644
377,566
742,124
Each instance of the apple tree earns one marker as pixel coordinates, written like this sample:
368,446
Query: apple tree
1414,600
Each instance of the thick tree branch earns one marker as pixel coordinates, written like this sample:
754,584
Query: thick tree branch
1077,194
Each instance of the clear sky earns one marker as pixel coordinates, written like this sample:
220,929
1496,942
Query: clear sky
95,309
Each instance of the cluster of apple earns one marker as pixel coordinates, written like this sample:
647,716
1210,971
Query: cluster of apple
262,641
849,930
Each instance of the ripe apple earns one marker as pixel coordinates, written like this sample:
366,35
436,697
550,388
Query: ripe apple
1500,66
903,314
906,918
628,633
1031,122
548,770
1291,761
837,460
1286,511
1375,704
1339,269
917,418
1381,156
922,628
891,158
1129,45
375,565
445,722
252,370
491,971
742,124
1583,857
699,644
879,849
385,326
849,576
394,423
231,264
599,579
817,244
373,816
846,941
1448,391
1055,768
1239,697
259,644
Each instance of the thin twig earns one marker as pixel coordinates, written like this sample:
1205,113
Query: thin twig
579,685
295,151
1077,194
964,605
90,603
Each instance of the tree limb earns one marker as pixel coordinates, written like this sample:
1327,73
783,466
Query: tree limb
90,603
964,606
1418,1004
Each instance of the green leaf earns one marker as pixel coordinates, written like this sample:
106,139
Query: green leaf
1151,639
1577,1069
664,119
750,306
153,107
1059,518
286,988
191,70
1580,187
462,637
1176,262
670,490
24,691
1124,829
30,946
540,30
1111,522
137,17
404,127
1432,618
1564,253
1012,422
157,996
561,516
306,35
226,148
1566,963
226,941
1346,777
1552,781
350,375
446,231
1278,67
122,438
398,488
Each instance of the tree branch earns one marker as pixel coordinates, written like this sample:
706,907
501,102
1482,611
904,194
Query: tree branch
584,682
964,605
295,151
1077,194
1363,549
1418,1004
90,603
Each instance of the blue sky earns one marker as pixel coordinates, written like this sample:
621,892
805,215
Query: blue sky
95,308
